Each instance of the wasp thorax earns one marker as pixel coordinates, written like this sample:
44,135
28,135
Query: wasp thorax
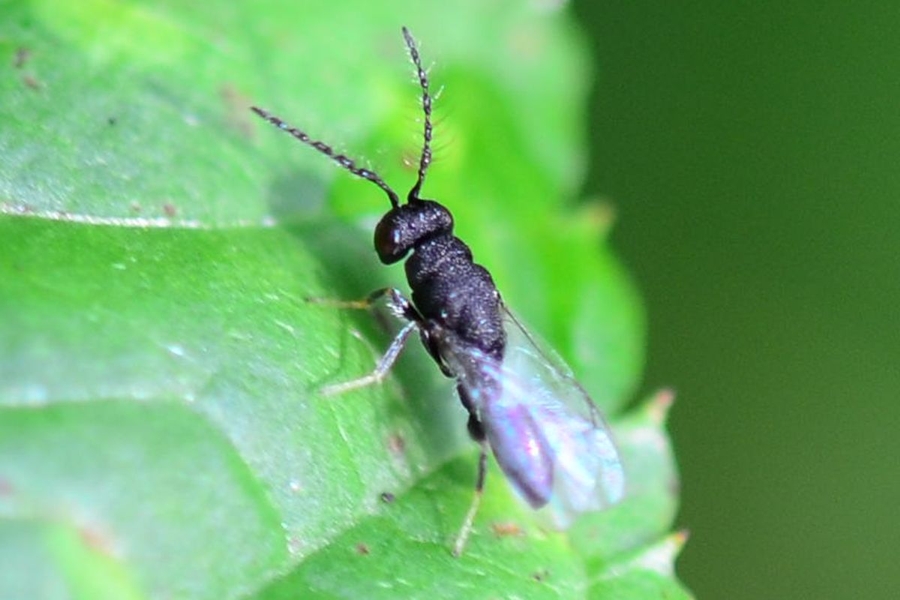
407,225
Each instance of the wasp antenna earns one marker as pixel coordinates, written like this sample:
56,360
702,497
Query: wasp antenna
328,151
422,75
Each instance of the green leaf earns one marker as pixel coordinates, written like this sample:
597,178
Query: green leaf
162,433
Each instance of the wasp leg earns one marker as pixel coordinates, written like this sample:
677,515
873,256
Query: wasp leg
402,308
361,304
466,528
381,369
397,303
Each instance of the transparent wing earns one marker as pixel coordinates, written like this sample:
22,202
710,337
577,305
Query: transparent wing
546,433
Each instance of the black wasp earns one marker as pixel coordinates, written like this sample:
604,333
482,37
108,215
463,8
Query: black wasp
523,402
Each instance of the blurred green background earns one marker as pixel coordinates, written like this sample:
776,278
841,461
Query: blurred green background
752,153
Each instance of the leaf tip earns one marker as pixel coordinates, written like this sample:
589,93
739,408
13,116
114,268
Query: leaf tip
659,406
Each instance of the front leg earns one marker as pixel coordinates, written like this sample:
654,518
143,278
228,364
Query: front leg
396,303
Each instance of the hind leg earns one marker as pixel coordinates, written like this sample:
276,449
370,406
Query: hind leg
476,431
469,519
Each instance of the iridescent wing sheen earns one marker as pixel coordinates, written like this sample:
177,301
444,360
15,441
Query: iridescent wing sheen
546,433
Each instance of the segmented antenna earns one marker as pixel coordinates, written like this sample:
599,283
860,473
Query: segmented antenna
425,158
340,159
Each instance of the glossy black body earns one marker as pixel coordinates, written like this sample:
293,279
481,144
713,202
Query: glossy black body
448,289
544,430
